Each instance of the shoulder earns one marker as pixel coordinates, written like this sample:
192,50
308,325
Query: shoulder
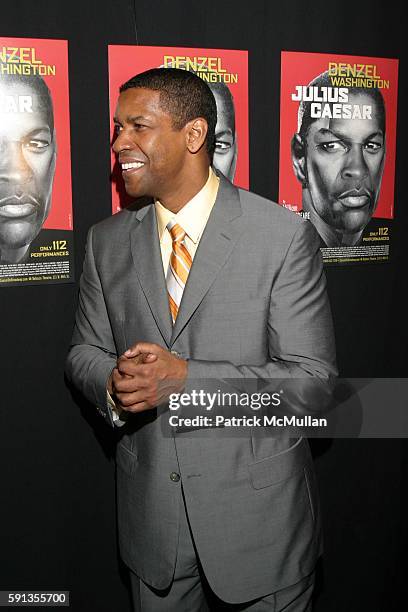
116,227
266,216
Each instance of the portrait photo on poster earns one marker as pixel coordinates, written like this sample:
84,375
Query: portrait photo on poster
32,251
340,124
27,162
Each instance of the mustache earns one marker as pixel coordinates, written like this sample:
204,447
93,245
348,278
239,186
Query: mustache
13,199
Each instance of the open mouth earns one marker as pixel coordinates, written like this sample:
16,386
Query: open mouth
128,166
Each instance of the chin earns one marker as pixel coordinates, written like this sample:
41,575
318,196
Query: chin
16,244
18,240
135,192
353,228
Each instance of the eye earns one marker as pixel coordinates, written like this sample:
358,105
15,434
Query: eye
35,144
372,147
139,126
222,147
335,146
117,128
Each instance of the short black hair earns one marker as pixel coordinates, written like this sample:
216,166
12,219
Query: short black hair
217,87
37,83
183,95
323,80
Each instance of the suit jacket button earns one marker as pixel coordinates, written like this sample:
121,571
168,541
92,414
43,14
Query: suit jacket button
174,477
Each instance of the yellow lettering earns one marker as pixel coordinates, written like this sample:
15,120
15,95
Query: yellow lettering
12,54
332,69
34,60
25,54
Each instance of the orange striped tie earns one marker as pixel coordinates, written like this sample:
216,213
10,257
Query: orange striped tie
179,267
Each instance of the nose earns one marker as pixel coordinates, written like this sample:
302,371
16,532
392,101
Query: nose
122,142
355,166
14,167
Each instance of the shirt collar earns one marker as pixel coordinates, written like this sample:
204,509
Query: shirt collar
194,215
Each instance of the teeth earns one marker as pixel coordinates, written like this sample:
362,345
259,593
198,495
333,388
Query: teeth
131,165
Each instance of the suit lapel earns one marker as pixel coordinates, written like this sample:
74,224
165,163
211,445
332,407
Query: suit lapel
223,229
147,258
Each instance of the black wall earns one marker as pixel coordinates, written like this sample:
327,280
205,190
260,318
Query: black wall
57,512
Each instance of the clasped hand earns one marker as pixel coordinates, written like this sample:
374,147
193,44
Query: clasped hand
145,376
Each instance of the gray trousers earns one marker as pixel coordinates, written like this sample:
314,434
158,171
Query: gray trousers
190,591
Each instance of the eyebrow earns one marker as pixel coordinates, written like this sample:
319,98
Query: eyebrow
227,132
40,129
133,119
340,136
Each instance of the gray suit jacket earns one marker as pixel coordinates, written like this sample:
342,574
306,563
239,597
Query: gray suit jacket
254,307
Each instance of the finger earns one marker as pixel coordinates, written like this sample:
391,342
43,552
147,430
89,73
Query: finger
119,375
143,347
135,360
128,384
128,366
116,376
139,407
139,358
135,397
149,358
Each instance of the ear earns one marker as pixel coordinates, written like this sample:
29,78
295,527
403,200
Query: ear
196,133
298,148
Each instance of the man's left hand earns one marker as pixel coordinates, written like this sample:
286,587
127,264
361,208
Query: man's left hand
155,381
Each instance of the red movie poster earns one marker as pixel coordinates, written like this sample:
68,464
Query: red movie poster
36,232
337,150
225,71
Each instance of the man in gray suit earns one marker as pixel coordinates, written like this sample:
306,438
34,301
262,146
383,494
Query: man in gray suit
206,284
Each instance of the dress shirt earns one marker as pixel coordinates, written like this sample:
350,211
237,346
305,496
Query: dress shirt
192,218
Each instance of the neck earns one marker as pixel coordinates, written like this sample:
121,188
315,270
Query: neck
332,237
185,191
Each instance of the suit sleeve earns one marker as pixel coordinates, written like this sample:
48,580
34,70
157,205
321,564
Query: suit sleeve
299,332
92,354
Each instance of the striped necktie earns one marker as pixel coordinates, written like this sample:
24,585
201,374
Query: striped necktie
179,267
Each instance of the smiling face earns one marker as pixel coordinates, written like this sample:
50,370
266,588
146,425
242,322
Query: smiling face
225,153
151,152
342,164
27,165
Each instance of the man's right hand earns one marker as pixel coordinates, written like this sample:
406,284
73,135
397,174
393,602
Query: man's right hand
117,376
